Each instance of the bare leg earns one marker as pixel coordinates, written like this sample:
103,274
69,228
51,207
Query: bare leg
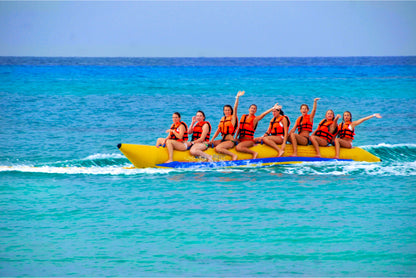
294,144
223,148
198,150
244,148
159,142
316,142
316,145
272,141
341,143
337,148
297,139
174,145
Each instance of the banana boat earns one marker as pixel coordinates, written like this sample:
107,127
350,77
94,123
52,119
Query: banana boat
145,156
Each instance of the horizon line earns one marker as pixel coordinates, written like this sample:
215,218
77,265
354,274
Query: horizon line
206,57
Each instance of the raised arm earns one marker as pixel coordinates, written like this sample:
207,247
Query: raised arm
191,126
258,118
235,117
286,132
360,121
237,132
315,104
334,125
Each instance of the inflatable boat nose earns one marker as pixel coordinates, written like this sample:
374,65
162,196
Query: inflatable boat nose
119,146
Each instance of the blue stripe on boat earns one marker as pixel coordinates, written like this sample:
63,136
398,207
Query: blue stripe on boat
246,162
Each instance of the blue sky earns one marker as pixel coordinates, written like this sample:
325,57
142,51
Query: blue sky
207,29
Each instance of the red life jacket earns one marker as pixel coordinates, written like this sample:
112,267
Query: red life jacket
247,127
226,126
304,123
198,131
323,130
345,132
175,127
276,126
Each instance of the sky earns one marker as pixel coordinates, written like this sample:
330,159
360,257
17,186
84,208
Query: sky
207,29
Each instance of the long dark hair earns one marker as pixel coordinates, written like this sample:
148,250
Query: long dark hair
177,113
281,112
203,114
348,113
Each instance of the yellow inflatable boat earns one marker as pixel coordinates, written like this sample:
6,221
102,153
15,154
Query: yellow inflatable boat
144,156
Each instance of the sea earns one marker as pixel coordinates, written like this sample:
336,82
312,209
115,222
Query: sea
71,205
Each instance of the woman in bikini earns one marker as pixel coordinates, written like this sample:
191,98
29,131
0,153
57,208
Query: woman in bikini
278,131
248,125
304,124
346,131
201,131
227,127
324,134
177,137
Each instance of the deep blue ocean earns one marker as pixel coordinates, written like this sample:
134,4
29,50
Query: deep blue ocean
69,206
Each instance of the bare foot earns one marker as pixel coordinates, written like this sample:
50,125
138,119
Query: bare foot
210,159
255,155
281,152
234,157
336,157
318,156
168,161
294,155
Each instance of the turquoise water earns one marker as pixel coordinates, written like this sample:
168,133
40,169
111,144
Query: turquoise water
69,207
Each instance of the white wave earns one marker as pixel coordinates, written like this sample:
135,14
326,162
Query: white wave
409,145
94,170
104,156
86,159
309,168
353,168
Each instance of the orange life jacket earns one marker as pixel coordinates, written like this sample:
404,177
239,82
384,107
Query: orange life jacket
175,127
198,131
323,130
226,126
276,126
304,123
344,131
247,127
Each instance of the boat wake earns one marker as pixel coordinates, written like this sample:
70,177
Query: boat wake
397,160
393,153
97,164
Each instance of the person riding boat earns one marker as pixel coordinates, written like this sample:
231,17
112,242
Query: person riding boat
304,125
177,137
346,131
278,131
227,127
201,131
324,135
247,128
